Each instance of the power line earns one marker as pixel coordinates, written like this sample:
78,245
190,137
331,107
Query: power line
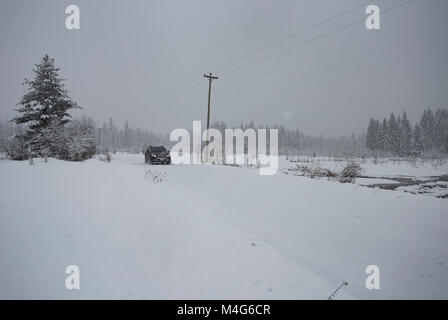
292,35
311,40
195,83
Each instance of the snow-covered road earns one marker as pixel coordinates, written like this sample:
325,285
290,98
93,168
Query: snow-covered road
211,232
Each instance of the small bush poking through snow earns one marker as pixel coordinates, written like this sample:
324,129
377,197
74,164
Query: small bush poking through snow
317,171
106,157
314,171
155,176
350,172
16,148
347,175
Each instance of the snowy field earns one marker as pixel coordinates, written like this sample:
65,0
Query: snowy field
382,167
209,231
419,176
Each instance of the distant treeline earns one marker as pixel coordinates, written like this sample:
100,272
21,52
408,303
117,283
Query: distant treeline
292,142
109,137
397,136
44,127
295,142
127,139
392,136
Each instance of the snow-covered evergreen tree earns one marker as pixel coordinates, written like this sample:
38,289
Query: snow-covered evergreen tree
79,135
427,125
405,136
384,139
46,101
393,134
44,107
396,135
441,130
127,135
417,143
373,135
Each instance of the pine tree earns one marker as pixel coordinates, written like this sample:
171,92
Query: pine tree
46,101
417,144
127,135
405,136
384,141
44,110
427,126
441,130
393,134
373,135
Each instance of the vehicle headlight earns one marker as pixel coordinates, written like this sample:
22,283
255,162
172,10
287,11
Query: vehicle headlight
167,155
153,155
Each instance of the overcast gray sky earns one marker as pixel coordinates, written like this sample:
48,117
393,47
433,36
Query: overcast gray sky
139,60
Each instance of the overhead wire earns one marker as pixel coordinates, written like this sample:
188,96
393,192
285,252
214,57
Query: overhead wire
198,82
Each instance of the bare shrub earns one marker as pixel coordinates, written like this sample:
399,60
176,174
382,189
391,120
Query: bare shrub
413,162
16,147
318,172
155,176
437,163
347,175
108,156
350,172
312,171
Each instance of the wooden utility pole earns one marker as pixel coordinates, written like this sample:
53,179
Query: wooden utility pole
210,79
99,140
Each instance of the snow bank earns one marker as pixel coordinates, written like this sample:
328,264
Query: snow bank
211,231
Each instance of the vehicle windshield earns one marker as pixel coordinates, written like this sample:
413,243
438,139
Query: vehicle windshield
158,149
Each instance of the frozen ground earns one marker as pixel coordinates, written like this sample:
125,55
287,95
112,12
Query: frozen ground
419,176
210,231
382,167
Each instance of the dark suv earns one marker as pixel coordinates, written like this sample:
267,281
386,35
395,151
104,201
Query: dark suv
155,155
